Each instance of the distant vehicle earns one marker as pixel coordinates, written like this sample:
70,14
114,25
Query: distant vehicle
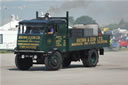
123,42
115,45
48,40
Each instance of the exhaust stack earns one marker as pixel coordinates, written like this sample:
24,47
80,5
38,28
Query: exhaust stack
37,16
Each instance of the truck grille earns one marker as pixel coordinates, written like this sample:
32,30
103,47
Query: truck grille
28,41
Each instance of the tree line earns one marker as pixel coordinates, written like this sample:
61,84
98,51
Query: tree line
122,24
81,20
89,20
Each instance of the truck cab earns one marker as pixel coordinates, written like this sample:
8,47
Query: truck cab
41,36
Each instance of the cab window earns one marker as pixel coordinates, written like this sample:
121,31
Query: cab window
50,29
29,29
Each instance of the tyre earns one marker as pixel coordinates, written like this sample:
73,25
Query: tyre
66,62
91,59
54,61
23,63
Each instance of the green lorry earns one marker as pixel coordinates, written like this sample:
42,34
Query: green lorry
48,40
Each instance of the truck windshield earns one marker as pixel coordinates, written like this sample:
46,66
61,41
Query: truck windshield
27,29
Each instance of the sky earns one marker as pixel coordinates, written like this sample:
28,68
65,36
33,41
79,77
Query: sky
103,11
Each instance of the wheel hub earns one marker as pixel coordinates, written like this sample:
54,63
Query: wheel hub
93,59
54,60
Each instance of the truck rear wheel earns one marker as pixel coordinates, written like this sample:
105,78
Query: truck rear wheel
23,63
91,59
54,61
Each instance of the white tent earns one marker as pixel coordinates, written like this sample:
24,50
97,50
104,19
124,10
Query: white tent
8,35
10,25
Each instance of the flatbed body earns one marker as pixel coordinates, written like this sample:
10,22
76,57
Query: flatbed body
89,42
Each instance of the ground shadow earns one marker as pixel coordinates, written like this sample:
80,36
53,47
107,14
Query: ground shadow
43,68
74,66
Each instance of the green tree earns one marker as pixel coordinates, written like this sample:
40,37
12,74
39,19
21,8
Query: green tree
121,22
71,20
85,20
113,26
124,26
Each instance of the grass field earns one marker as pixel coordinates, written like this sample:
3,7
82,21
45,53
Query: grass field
6,51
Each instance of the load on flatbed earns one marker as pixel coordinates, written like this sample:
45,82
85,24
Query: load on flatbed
48,40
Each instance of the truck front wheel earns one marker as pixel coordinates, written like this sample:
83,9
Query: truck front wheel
91,59
23,63
54,61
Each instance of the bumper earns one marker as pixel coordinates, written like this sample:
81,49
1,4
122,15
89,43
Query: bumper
27,51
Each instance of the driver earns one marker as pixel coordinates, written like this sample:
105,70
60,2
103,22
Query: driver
50,30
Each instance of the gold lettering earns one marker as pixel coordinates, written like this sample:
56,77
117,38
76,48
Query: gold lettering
29,37
26,47
27,41
81,40
64,43
28,44
102,42
77,44
58,41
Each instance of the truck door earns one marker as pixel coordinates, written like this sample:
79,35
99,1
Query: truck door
56,37
50,37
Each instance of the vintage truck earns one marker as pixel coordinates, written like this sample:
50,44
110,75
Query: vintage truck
48,40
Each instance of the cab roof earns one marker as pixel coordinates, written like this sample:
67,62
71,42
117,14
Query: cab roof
39,21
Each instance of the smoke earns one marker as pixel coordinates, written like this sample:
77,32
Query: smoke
109,11
69,5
